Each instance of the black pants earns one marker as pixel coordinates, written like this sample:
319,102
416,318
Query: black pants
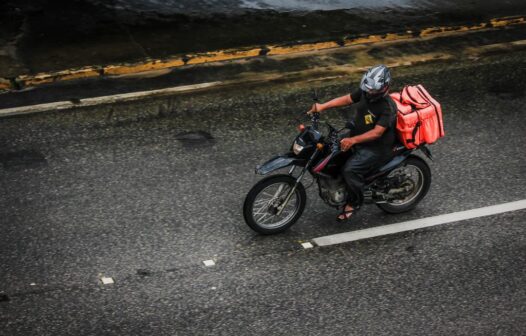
363,161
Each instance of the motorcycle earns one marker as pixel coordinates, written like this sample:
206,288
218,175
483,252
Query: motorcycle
277,201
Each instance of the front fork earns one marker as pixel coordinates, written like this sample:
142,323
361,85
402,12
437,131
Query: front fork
298,180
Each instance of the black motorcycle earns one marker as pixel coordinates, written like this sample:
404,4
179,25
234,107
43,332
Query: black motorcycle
277,201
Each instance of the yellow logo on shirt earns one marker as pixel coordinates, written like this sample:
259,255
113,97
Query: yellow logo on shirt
368,119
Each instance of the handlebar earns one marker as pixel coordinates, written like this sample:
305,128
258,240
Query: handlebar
332,138
315,118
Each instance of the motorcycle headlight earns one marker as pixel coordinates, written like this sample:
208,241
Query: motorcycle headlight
296,148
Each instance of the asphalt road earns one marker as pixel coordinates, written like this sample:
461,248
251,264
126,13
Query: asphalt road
86,196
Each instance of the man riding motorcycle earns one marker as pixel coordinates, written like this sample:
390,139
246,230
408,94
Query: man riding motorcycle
372,134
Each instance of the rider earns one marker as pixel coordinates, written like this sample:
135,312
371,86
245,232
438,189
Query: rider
373,134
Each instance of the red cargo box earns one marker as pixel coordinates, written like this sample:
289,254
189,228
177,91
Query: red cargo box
419,117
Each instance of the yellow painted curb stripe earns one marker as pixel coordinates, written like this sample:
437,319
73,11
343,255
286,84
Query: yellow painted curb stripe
43,78
142,67
501,22
284,50
235,54
378,38
223,55
5,84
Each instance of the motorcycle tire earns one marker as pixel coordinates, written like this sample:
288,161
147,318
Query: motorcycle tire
423,169
300,199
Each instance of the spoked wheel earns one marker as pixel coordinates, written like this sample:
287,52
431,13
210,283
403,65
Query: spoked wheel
264,201
416,183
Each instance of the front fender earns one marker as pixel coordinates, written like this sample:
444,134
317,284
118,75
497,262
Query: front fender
279,162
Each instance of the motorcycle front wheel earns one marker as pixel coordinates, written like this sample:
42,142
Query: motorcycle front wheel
263,201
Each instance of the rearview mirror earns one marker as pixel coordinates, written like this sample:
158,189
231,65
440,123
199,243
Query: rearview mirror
315,95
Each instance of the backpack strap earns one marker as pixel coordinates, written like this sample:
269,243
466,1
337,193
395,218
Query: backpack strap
415,130
412,99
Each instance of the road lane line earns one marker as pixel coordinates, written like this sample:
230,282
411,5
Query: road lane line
107,280
209,263
419,223
121,97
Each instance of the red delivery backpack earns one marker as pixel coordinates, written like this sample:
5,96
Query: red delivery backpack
419,117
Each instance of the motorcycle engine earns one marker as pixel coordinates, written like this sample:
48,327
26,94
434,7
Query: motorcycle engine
333,191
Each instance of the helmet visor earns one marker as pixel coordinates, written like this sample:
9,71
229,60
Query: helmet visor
375,93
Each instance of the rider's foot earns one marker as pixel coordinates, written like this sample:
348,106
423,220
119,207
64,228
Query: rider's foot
346,214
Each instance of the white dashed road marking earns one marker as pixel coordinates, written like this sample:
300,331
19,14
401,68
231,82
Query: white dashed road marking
307,245
419,223
209,263
107,280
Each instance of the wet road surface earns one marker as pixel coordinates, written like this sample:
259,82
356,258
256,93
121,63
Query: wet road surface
144,201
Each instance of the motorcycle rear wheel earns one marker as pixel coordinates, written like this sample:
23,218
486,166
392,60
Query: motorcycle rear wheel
421,179
262,201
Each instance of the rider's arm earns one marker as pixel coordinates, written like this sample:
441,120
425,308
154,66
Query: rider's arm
336,102
371,135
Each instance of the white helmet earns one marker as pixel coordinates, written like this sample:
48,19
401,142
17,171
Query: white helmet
375,82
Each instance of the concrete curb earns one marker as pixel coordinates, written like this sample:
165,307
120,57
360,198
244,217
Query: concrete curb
241,53
329,73
334,72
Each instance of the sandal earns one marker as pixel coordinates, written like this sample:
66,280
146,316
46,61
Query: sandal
345,215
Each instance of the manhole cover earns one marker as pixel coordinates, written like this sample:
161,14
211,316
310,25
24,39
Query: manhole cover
507,90
144,272
195,138
4,297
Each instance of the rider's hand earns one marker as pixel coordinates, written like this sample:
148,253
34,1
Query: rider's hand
347,143
315,108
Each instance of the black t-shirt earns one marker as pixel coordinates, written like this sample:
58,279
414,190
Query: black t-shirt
369,114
